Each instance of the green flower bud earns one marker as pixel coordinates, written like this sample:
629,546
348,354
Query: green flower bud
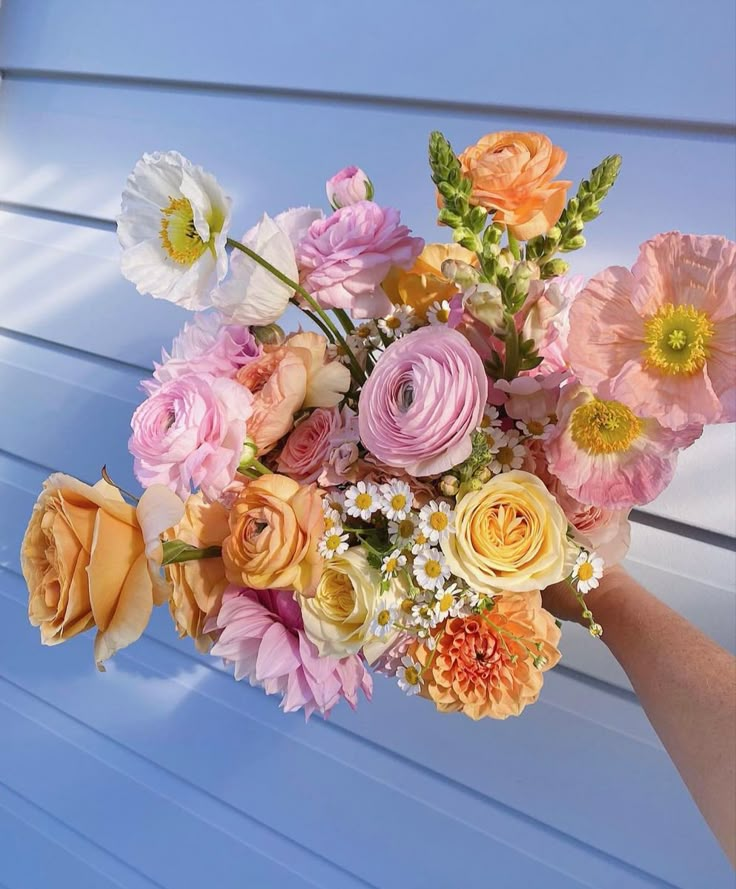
468,487
522,275
449,485
554,268
573,244
483,474
248,455
462,273
269,334
447,217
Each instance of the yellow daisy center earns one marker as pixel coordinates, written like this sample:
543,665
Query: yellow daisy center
420,539
333,541
398,501
535,427
363,331
432,568
406,528
442,315
411,675
329,523
407,605
178,234
505,456
438,521
677,339
363,501
446,601
393,322
391,565
604,427
585,571
383,618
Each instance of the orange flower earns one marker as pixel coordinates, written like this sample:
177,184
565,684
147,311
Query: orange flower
512,173
275,526
484,664
197,586
424,283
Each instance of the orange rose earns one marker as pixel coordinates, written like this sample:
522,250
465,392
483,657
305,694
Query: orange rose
275,526
92,560
197,586
484,664
512,173
424,283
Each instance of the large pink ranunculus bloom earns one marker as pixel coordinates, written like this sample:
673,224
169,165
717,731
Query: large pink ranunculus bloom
307,452
189,433
262,634
207,344
423,400
343,258
661,338
606,456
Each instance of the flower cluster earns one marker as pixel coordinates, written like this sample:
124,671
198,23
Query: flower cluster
458,427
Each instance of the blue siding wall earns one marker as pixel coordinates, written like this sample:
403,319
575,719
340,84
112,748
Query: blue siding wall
164,772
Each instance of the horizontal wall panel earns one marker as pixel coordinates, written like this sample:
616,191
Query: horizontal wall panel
576,57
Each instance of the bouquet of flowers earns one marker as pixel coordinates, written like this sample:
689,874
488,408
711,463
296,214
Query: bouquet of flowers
458,426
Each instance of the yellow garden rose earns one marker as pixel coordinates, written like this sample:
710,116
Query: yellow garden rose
509,536
424,283
92,560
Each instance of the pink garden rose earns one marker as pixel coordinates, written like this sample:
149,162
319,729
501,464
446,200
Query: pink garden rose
349,186
661,338
344,258
262,634
310,450
423,400
189,433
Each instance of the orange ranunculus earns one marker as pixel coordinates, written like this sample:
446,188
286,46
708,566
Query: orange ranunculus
275,526
512,173
287,378
92,560
424,283
197,586
484,664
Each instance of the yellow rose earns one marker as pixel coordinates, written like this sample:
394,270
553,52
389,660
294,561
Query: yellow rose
424,283
509,536
197,586
92,560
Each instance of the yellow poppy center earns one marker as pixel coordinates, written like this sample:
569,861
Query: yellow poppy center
398,501
585,571
604,427
677,339
438,521
178,233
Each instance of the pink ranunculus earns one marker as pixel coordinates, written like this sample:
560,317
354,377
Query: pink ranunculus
189,433
530,396
262,634
344,258
423,400
661,338
349,186
306,453
207,344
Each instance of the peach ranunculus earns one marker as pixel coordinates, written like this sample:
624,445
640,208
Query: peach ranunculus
275,526
424,283
510,536
287,378
197,585
512,174
490,664
92,560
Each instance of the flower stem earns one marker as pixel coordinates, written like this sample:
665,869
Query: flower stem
513,246
511,358
344,319
178,551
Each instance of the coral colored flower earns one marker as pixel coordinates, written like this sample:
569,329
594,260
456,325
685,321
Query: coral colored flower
422,402
661,338
607,456
275,528
261,633
349,186
173,230
344,258
490,664
189,434
512,174
309,451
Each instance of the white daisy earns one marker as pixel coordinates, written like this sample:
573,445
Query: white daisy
401,533
430,568
385,617
436,521
491,417
439,312
362,500
409,675
333,519
333,543
419,542
447,603
367,332
495,437
398,322
173,229
537,428
587,571
510,454
392,563
423,616
397,499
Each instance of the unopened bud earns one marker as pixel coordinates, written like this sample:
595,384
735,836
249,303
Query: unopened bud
483,474
449,485
574,243
555,268
462,273
522,276
485,303
468,487
248,455
269,335
506,259
348,186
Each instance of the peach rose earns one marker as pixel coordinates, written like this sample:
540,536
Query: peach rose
92,560
275,526
509,536
287,378
490,664
512,173
424,283
197,586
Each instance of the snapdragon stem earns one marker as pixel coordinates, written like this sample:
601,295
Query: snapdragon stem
357,370
514,246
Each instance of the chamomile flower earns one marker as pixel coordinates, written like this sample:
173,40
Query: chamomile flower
362,500
430,568
333,543
419,541
398,322
447,603
385,617
495,437
587,571
333,519
367,331
542,428
409,675
392,564
435,521
401,533
396,500
491,417
423,616
510,454
334,501
439,312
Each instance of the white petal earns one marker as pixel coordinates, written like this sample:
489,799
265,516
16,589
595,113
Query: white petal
296,221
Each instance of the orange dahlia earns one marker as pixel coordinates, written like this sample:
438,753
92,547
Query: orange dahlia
490,664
